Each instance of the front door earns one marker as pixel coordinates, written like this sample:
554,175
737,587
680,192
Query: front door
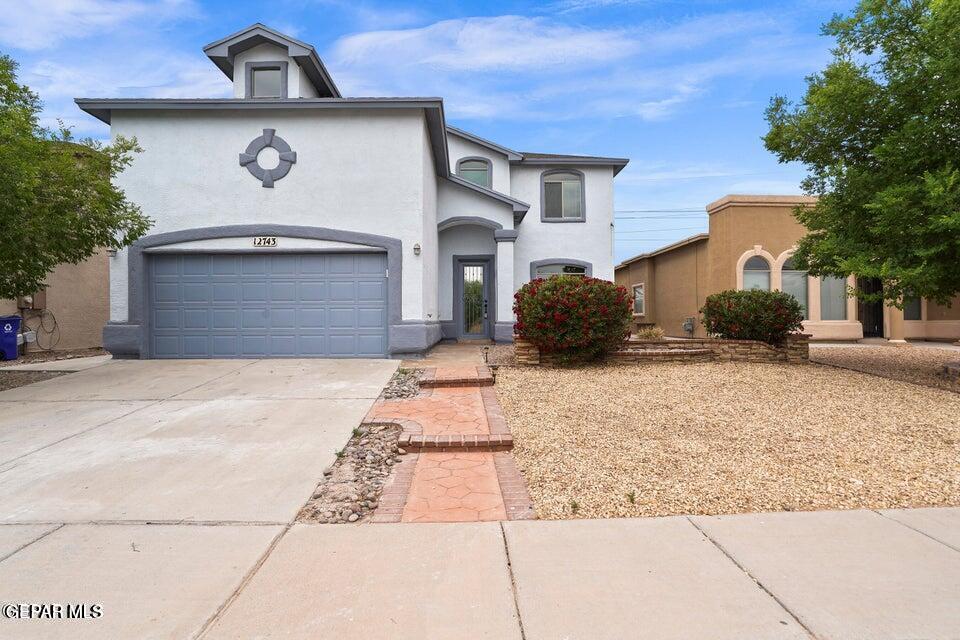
870,312
472,291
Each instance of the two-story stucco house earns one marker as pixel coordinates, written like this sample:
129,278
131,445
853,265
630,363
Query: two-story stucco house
292,221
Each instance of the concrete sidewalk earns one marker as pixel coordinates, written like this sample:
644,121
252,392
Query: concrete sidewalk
855,574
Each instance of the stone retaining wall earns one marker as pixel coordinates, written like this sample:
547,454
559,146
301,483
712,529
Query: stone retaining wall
796,350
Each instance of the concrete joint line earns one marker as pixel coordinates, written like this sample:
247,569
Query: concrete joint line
35,540
513,582
923,533
206,382
763,587
222,609
159,523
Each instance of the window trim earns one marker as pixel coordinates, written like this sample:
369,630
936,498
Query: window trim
781,267
486,161
543,195
633,301
771,261
551,261
281,65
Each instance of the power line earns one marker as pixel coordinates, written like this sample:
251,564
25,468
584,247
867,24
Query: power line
690,209
682,216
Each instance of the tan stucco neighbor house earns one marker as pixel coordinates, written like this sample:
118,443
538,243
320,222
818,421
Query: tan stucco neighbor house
750,242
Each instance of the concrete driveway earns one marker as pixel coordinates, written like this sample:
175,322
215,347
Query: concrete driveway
154,487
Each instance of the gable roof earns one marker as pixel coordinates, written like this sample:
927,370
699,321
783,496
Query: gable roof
519,208
483,142
223,51
668,248
540,159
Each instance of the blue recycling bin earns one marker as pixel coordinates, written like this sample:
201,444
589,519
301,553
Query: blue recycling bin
9,329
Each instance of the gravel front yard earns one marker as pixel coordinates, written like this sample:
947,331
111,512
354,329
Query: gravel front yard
14,379
921,365
713,438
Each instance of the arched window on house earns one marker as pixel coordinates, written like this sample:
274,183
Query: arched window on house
833,298
756,273
794,282
475,170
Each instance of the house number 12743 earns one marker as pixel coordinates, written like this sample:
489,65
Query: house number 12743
265,241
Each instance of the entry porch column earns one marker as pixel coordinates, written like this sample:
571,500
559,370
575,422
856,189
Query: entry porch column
897,332
503,330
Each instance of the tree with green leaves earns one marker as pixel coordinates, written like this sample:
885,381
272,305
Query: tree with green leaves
58,203
879,132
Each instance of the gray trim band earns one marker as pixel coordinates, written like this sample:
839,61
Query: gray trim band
138,283
281,65
457,221
542,263
505,235
543,195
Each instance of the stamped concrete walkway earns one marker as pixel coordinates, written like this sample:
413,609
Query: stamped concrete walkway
454,484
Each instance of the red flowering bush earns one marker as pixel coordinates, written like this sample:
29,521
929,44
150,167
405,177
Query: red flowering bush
577,319
754,314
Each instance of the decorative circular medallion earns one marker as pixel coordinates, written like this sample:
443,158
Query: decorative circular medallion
249,160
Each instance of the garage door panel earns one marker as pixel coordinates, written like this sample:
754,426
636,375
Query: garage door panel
370,318
224,346
166,318
312,318
283,292
240,305
253,291
224,264
370,290
283,318
196,319
225,292
195,265
313,291
254,265
224,319
195,292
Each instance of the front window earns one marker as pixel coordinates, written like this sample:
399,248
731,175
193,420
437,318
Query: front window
795,283
267,83
475,171
756,274
912,309
639,307
833,298
547,270
563,196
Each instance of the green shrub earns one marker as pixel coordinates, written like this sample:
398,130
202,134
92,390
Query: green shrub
755,314
574,318
650,332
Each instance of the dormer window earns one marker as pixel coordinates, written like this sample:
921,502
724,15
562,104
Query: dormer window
475,170
267,80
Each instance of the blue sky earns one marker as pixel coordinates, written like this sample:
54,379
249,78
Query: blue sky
677,87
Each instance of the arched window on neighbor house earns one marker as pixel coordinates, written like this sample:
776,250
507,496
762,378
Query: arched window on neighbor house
794,282
756,273
833,298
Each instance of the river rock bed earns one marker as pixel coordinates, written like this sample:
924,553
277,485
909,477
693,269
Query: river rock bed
350,489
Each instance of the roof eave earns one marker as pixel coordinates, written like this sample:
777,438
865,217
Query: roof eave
483,142
519,208
574,161
699,237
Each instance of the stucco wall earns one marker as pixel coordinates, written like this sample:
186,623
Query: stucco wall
591,241
188,176
680,286
463,240
460,148
430,242
78,297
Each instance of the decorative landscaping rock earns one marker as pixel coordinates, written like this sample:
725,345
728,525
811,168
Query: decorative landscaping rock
350,490
404,384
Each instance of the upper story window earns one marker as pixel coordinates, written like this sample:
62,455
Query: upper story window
756,273
475,170
562,198
794,282
266,79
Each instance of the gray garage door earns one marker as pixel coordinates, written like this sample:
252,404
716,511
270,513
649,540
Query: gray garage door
252,306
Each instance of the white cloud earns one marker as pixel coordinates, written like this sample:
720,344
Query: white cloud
514,67
39,24
488,44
